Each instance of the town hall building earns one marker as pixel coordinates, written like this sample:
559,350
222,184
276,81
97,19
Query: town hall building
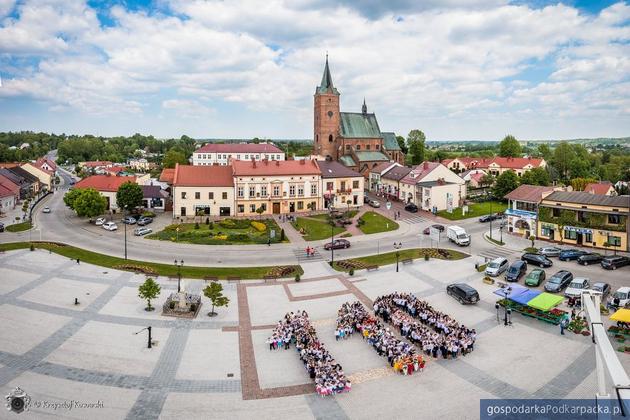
352,138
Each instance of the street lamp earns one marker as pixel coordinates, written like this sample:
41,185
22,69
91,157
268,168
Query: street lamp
397,247
148,329
124,223
332,237
508,311
490,219
179,266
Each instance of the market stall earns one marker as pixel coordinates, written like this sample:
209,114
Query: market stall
532,303
621,331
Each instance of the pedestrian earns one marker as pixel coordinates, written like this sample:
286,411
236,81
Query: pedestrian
77,261
269,242
563,325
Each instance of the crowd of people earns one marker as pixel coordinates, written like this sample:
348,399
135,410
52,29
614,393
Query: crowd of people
436,333
322,368
354,317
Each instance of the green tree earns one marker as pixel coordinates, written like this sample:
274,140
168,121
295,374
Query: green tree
506,182
544,151
214,292
86,202
536,176
149,290
402,143
487,180
415,140
563,154
578,184
173,157
509,147
129,196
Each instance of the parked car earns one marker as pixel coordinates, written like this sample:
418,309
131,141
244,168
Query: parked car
411,208
463,293
590,258
497,266
338,244
374,203
99,221
142,231
535,277
537,259
623,295
427,231
129,220
571,254
576,286
46,210
516,271
488,218
143,220
614,262
559,281
603,288
110,226
550,251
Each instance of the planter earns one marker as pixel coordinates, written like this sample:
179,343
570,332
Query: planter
488,280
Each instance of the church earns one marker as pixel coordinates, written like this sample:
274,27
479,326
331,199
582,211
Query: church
352,138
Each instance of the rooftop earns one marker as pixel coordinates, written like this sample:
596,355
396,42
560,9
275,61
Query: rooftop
239,148
397,173
503,162
152,191
105,183
203,176
601,188
359,125
277,167
420,171
96,163
529,193
581,197
371,156
383,166
390,142
332,169
347,160
167,175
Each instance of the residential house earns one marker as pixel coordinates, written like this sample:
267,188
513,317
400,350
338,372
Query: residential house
473,177
153,197
222,154
141,164
167,175
374,180
29,184
44,176
522,211
600,188
340,185
95,164
433,187
9,194
46,164
279,187
496,165
107,185
581,218
390,182
202,191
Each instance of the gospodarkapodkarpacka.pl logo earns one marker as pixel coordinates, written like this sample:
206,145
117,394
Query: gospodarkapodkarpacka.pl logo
18,400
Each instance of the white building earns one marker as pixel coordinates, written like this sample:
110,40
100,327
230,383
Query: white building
221,154
432,186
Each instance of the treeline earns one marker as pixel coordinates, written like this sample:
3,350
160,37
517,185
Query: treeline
38,145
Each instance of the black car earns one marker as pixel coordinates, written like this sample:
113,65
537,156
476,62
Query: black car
516,271
537,259
559,281
488,218
411,208
570,254
463,293
590,258
438,227
338,244
143,221
614,262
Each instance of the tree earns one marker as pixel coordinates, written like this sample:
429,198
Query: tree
567,218
129,195
149,290
536,176
509,147
173,157
544,151
86,202
506,182
415,140
214,292
563,154
402,143
486,180
578,184
260,210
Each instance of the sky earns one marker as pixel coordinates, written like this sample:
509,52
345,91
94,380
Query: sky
456,69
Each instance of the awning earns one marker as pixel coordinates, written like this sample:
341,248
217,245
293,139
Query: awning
510,291
524,298
622,315
545,301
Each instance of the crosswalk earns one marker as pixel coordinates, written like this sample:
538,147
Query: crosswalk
301,256
496,253
414,219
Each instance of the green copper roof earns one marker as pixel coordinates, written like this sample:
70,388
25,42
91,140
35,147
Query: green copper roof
389,141
347,160
371,156
358,125
326,86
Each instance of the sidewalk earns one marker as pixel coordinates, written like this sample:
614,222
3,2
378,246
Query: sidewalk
289,231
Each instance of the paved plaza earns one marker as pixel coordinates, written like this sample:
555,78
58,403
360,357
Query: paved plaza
222,367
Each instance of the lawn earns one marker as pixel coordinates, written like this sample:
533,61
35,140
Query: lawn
390,257
108,261
347,214
372,222
315,230
474,210
223,232
19,227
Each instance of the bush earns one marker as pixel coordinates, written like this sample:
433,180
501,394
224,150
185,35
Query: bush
426,257
238,237
171,304
32,247
196,225
227,223
297,278
282,235
260,227
148,214
211,226
220,237
193,307
207,220
351,272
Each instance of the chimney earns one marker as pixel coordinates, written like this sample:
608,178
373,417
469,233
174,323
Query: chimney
266,161
302,162
277,163
425,165
253,163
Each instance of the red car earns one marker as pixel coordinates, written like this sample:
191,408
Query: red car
337,244
438,227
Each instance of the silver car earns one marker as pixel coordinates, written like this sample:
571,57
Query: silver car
374,203
497,266
142,231
550,251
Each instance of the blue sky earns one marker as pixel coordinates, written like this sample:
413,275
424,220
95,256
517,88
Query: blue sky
457,69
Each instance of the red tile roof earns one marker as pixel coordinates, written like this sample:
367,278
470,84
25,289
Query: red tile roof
530,193
599,188
167,175
97,163
105,183
503,162
203,176
9,164
477,176
41,161
382,166
8,188
239,148
420,171
278,167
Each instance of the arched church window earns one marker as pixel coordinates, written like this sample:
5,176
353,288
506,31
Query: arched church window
330,138
316,138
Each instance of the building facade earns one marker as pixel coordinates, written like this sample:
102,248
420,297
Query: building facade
107,185
496,165
341,186
374,180
433,187
202,191
522,211
222,154
584,219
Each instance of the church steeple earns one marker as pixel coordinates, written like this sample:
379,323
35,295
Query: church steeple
326,86
364,107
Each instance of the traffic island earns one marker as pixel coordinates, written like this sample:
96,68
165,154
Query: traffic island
403,255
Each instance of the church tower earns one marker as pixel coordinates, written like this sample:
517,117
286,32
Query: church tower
326,117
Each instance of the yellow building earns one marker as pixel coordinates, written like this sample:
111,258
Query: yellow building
580,218
340,185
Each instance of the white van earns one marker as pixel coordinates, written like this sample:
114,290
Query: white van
458,235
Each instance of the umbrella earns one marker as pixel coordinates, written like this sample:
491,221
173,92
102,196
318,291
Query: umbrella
622,315
545,301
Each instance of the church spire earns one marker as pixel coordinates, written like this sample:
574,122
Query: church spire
326,86
364,107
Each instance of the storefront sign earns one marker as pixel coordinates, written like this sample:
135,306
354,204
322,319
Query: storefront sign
578,230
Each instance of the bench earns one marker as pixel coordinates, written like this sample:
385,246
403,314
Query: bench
210,278
269,277
233,279
407,261
371,267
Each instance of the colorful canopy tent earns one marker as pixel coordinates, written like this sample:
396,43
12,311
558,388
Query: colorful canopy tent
545,301
524,298
622,315
510,291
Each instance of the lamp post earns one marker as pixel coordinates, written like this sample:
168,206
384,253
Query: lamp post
179,266
490,219
508,311
124,223
501,232
332,238
397,247
149,330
